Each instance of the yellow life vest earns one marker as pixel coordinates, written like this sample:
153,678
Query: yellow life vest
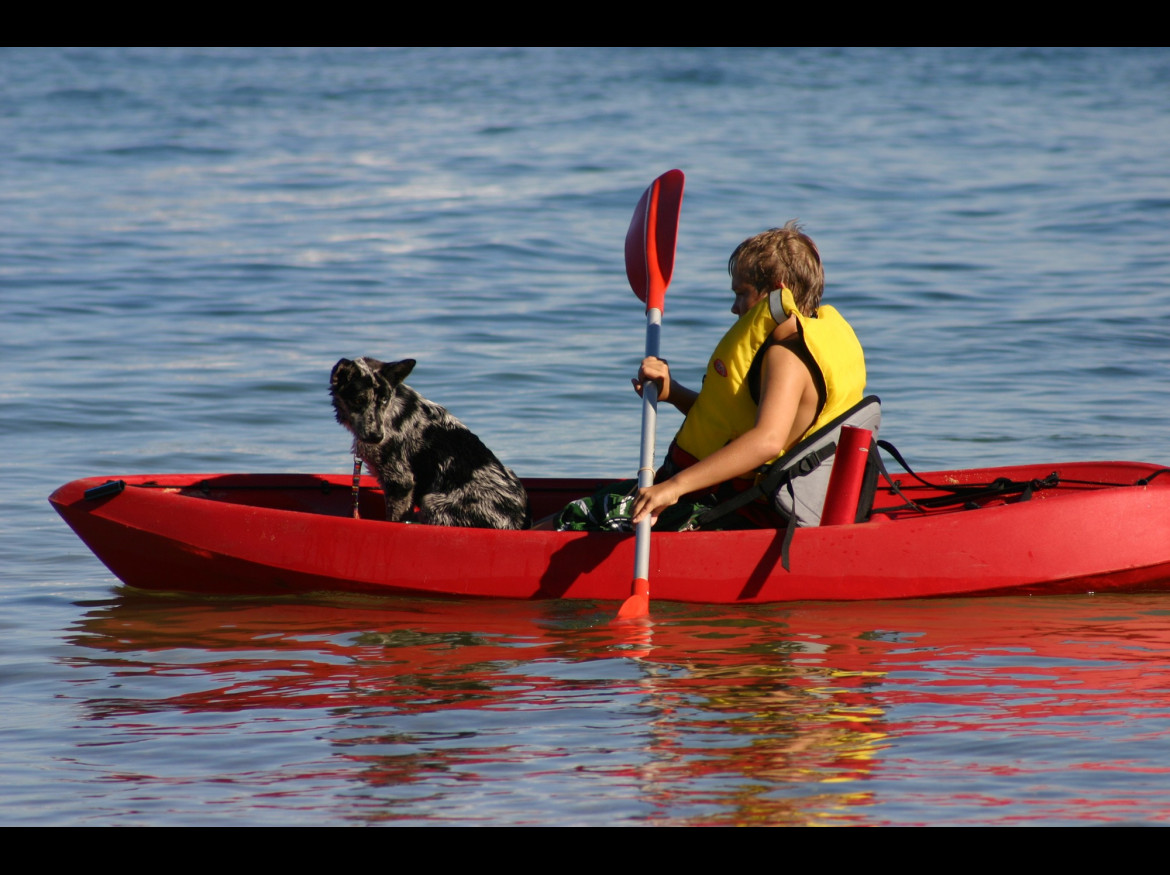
725,410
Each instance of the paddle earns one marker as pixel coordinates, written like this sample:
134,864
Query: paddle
650,245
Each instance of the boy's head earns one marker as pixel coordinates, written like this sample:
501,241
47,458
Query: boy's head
781,257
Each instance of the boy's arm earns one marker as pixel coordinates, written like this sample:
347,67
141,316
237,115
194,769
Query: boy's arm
786,391
658,370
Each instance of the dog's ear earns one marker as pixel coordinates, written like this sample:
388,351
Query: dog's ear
343,370
395,372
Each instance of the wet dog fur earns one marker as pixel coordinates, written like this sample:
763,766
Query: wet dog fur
422,455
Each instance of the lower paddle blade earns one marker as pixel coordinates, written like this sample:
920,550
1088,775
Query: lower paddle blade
636,606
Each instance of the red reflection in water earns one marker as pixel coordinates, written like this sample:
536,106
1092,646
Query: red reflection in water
706,715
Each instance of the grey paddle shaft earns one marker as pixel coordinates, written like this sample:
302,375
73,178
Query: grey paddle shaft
646,462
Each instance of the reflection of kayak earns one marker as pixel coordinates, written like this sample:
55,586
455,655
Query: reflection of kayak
1095,526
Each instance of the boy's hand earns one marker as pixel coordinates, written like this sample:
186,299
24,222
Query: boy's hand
653,500
656,370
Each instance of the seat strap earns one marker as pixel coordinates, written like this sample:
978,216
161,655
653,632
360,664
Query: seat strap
776,477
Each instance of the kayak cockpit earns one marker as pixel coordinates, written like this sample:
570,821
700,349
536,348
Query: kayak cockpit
938,492
321,494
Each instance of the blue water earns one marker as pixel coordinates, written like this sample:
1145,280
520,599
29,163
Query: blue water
189,238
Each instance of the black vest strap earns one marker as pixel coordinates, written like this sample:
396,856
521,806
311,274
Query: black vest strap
776,478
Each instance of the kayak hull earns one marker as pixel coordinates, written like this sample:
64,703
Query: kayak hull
273,534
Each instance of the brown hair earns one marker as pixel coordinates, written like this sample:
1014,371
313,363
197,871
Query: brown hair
782,257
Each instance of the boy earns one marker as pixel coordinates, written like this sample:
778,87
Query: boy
787,367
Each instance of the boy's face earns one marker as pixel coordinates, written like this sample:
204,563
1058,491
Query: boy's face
746,295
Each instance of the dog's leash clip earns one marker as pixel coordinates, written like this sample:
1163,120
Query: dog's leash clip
357,485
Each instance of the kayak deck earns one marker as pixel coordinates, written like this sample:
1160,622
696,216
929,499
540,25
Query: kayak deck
1101,526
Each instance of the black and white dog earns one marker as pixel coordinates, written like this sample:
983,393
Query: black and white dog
422,455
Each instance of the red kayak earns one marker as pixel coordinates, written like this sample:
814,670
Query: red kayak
1079,527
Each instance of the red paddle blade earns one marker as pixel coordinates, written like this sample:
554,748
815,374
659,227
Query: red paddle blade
637,605
651,239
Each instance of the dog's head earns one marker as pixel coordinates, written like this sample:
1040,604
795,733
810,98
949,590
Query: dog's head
362,391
